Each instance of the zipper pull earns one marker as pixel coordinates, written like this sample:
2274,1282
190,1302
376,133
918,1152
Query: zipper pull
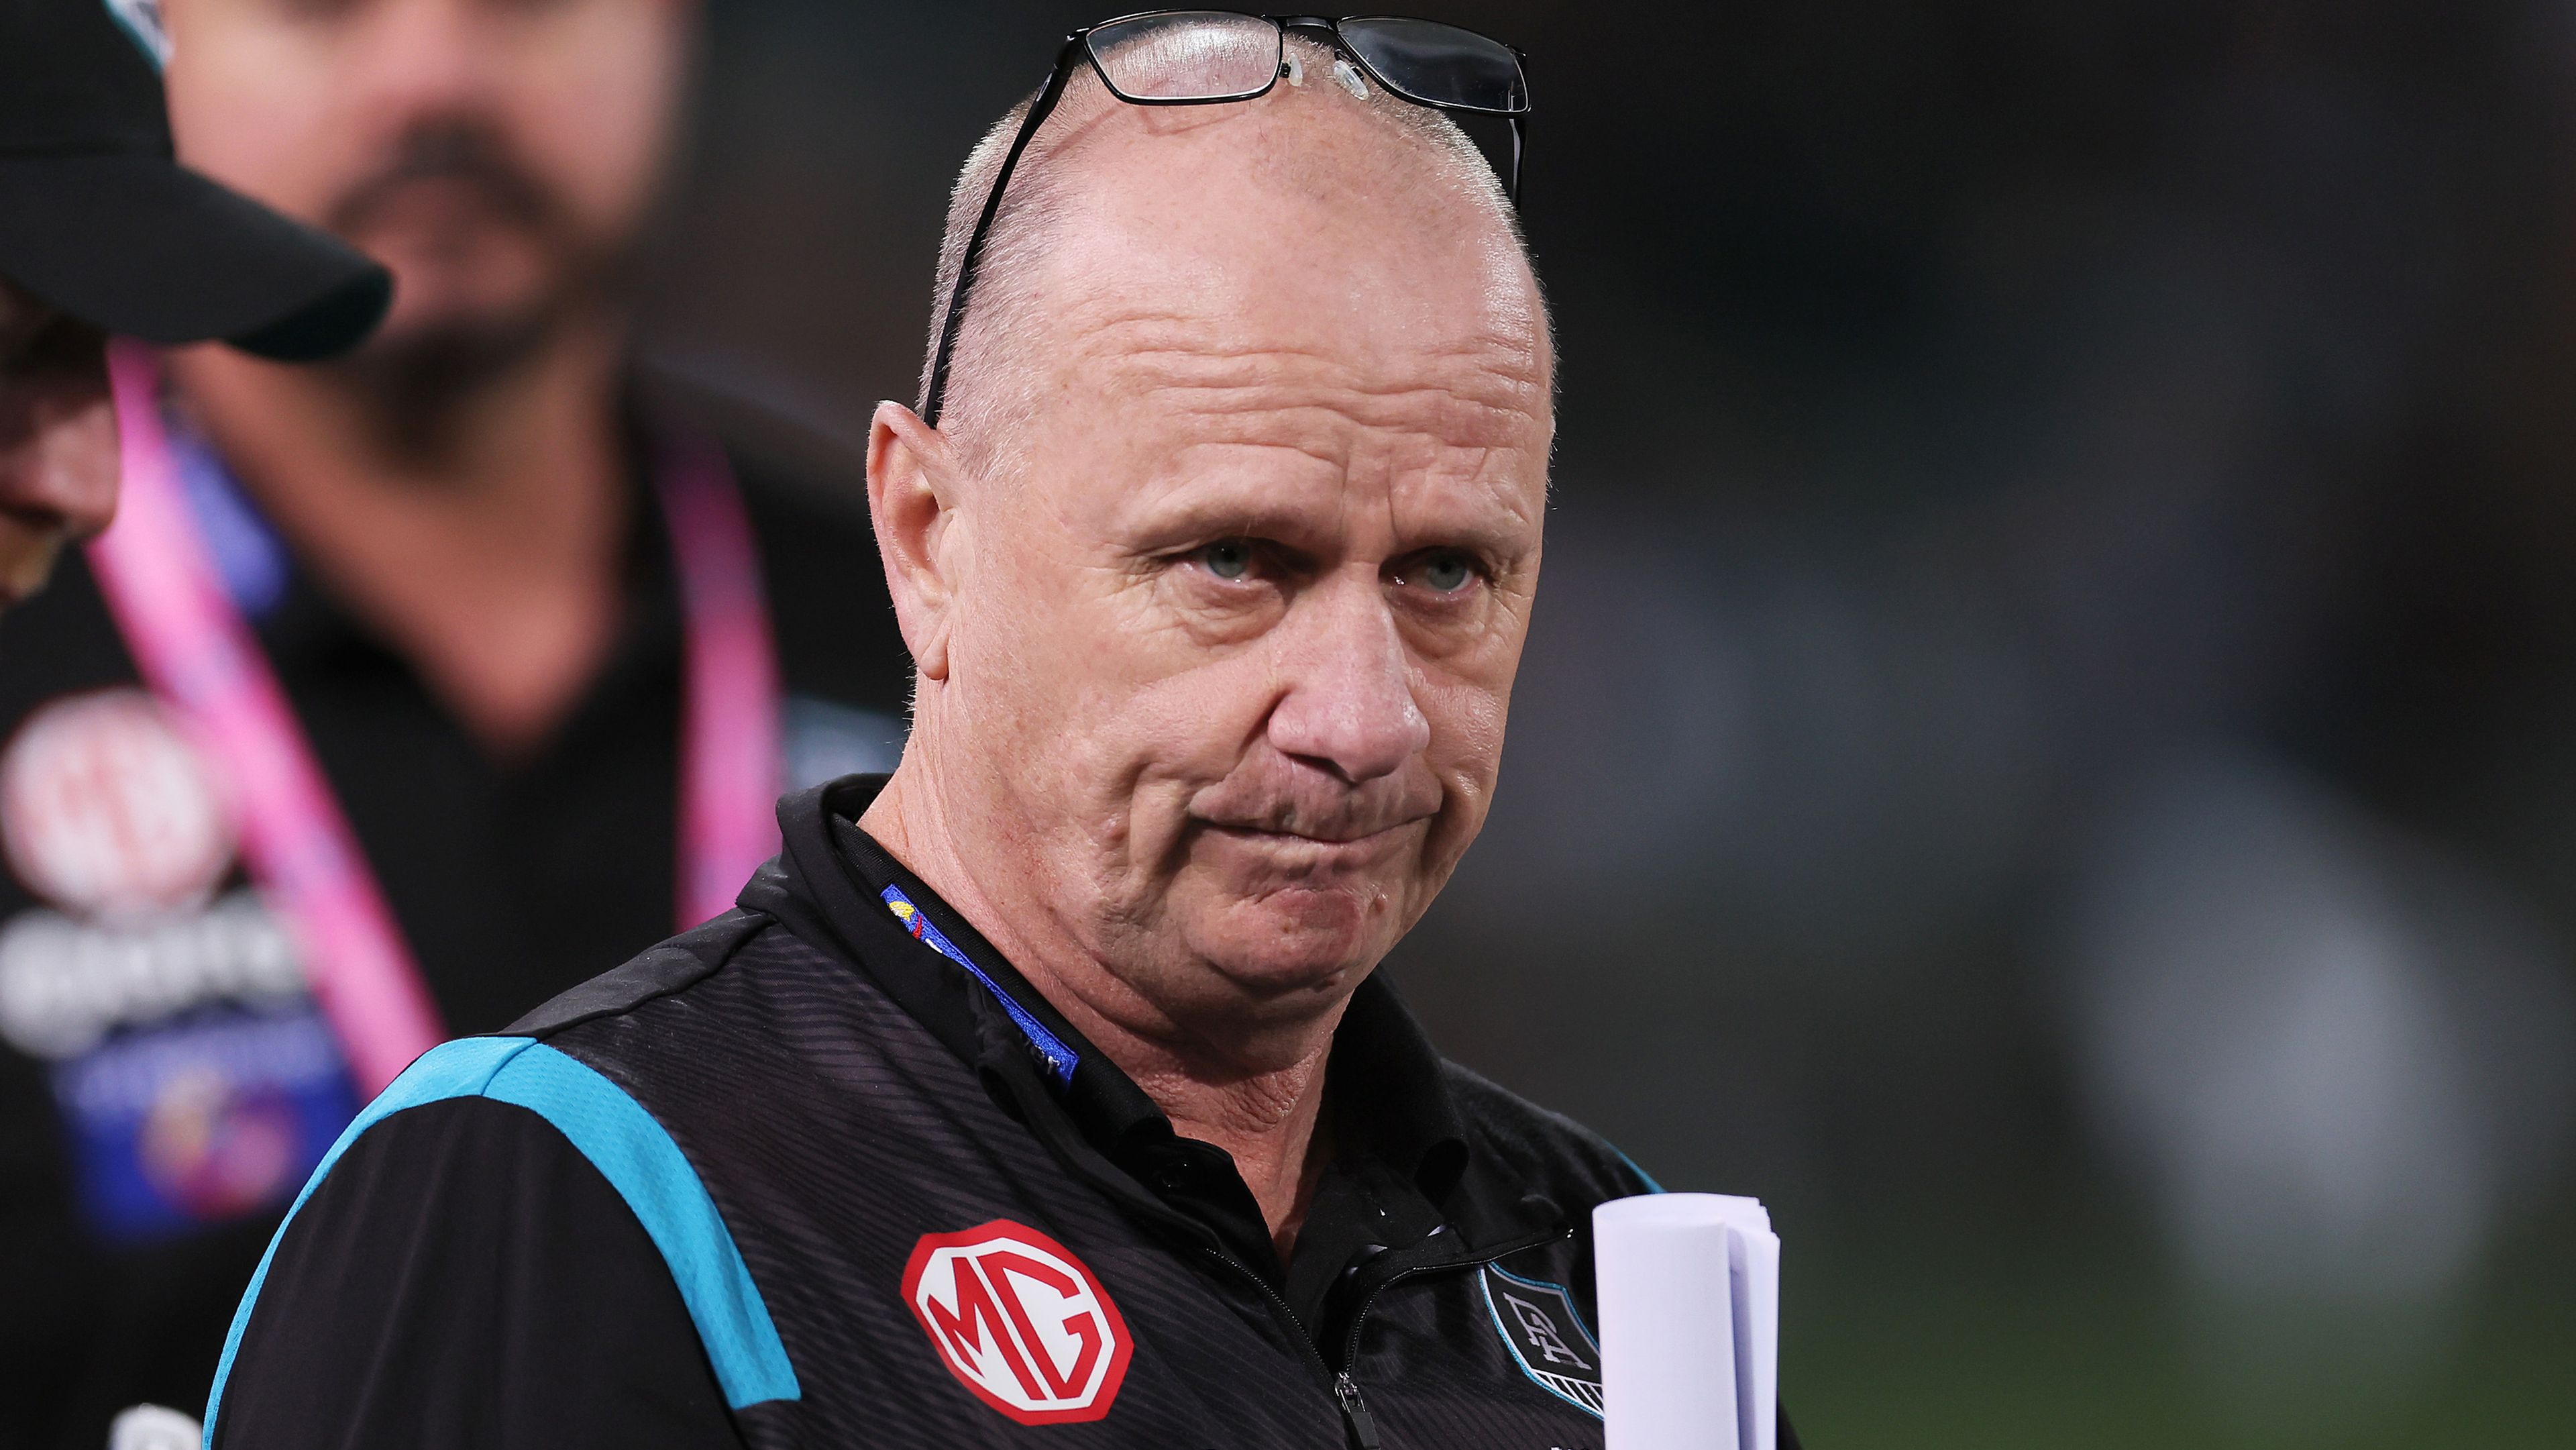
1355,1410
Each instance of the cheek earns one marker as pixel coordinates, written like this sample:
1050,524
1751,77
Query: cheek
1091,713
81,452
1036,679
1092,674
1198,723
596,101
254,104
58,446
1466,753
1466,713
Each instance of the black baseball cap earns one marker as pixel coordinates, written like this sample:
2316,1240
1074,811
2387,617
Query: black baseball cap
98,219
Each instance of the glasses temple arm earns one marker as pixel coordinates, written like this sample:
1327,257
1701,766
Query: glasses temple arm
936,392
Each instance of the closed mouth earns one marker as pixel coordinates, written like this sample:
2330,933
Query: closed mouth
1266,834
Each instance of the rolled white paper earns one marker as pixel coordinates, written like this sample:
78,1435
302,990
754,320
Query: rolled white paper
1690,1322
152,1427
1753,1258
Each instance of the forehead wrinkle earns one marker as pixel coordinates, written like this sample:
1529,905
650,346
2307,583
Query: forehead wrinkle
1426,411
1456,395
1502,344
1125,285
1396,446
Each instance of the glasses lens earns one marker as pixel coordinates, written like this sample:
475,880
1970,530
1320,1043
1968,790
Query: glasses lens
1440,65
1187,55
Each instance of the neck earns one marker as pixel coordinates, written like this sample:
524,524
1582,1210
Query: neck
1257,1096
481,540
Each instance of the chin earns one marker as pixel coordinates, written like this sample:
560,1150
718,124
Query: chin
1298,939
431,359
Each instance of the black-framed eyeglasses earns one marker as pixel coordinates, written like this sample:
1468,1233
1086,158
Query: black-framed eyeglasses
1208,57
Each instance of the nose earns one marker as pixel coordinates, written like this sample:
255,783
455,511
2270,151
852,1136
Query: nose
425,57
1349,704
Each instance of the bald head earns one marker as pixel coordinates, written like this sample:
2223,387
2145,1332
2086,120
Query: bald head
1329,179
1211,694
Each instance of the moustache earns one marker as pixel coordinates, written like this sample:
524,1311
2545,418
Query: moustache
456,152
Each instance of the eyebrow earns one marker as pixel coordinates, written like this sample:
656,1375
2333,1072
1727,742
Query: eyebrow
1156,526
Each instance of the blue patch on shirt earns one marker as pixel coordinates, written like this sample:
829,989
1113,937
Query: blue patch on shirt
1060,1059
213,1118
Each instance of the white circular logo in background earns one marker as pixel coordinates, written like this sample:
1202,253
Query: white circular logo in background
106,810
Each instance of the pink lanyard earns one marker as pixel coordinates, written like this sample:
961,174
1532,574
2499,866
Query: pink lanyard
198,654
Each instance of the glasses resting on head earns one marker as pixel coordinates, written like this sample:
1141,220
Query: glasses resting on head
1209,57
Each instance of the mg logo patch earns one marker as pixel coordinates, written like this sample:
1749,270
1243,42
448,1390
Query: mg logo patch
1020,1321
1546,1337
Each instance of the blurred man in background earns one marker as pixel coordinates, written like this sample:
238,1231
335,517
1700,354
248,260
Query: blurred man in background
406,692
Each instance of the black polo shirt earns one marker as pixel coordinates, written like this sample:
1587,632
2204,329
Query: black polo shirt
165,1083
802,1177
1399,1146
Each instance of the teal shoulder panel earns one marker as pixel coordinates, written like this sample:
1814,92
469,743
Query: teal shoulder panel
1643,1176
637,1157
631,1150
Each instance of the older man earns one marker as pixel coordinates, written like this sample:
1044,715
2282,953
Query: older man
1043,1092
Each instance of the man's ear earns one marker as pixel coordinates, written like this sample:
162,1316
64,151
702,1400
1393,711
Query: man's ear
912,500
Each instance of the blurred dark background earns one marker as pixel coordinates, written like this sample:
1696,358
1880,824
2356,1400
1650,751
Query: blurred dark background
2049,748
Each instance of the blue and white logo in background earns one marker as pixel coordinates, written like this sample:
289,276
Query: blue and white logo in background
142,21
202,1121
196,1080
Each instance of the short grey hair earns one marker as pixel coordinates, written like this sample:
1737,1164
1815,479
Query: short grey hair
982,386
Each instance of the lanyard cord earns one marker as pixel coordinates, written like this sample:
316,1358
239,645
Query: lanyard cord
199,655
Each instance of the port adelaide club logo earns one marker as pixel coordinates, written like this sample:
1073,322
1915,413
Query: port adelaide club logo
1020,1321
1546,1337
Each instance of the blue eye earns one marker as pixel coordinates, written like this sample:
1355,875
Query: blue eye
1231,559
1446,573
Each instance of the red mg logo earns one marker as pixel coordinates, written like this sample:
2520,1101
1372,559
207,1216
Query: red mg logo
1020,1321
